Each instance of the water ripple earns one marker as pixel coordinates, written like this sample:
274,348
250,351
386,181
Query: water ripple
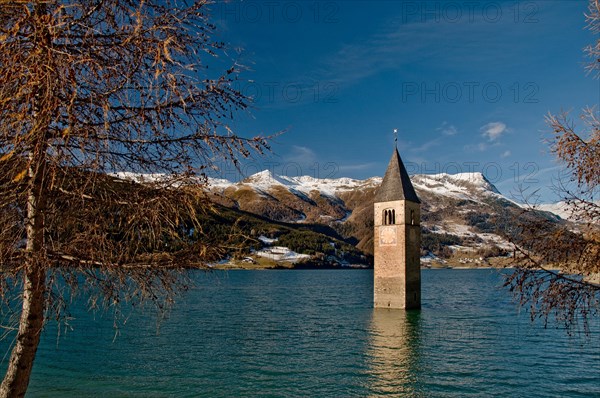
314,333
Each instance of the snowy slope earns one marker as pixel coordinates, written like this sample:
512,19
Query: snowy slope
462,186
559,208
468,186
266,180
463,212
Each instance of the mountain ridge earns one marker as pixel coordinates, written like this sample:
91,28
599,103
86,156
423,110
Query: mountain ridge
464,218
266,179
463,215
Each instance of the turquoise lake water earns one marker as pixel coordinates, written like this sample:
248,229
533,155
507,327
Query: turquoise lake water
315,334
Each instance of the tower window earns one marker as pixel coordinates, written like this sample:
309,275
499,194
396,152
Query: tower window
412,217
389,217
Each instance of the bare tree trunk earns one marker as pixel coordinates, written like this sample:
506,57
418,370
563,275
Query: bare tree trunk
31,322
17,376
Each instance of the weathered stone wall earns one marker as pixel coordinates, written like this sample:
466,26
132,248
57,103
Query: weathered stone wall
397,256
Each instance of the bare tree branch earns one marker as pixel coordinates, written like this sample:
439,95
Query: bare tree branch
90,89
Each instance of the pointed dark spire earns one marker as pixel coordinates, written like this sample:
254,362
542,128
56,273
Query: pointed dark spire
396,183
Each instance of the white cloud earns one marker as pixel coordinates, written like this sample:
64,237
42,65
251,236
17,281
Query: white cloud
481,147
301,154
300,160
447,129
494,130
393,47
428,145
505,154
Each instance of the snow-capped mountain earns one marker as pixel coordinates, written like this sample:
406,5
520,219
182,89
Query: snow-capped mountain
464,218
461,186
465,206
265,180
561,209
268,186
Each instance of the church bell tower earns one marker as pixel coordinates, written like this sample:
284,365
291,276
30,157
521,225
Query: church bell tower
397,240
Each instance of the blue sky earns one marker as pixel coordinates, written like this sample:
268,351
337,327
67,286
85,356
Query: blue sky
466,83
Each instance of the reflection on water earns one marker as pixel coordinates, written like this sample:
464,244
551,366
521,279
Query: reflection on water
315,334
393,352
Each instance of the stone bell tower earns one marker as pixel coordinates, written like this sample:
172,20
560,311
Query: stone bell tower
397,240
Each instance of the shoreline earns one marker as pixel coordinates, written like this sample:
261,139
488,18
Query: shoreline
292,267
458,262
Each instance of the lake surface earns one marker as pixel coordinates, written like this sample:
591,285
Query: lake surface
314,333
